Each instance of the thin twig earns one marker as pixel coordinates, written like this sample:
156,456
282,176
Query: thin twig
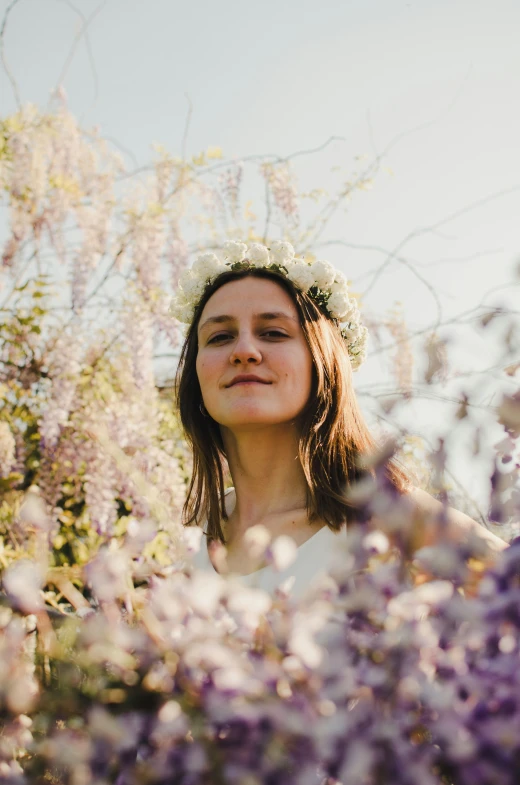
186,127
379,249
267,210
403,433
17,280
10,76
433,227
77,39
374,166
88,46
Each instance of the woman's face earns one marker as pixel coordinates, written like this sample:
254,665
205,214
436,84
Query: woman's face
253,363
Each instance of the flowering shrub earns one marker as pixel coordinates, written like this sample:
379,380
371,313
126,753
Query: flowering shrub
179,676
91,250
118,661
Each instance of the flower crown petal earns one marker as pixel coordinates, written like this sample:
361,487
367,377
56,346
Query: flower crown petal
320,280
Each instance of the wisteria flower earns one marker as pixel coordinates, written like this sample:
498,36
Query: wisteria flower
7,450
284,551
23,582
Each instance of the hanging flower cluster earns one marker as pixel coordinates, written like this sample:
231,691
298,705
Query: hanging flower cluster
199,679
319,280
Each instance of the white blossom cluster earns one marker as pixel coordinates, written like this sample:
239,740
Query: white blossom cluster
320,280
7,449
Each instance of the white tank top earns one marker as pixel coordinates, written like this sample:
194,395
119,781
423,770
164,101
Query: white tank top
314,558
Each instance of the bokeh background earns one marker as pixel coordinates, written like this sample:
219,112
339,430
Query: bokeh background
420,94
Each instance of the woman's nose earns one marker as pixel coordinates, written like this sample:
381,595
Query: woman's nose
245,350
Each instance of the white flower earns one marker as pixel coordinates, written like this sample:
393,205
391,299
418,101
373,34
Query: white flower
191,537
339,305
323,274
258,255
339,288
7,450
234,252
301,276
178,299
340,280
357,360
183,313
283,552
23,581
192,287
257,538
207,266
351,334
354,315
377,541
184,278
281,252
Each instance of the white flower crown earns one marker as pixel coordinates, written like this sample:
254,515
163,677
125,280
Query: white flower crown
319,280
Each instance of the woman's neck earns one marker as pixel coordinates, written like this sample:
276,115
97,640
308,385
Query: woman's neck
267,475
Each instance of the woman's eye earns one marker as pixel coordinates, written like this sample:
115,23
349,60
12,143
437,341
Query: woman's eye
268,334
218,337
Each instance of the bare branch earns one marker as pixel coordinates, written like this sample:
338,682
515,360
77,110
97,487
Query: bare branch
445,260
409,265
460,487
267,210
125,150
88,46
186,127
433,227
82,31
10,76
374,166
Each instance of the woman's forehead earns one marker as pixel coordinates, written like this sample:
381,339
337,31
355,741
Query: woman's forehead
247,296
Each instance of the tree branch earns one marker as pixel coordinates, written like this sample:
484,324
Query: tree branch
10,76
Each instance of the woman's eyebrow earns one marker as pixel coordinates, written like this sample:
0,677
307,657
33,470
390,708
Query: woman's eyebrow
267,316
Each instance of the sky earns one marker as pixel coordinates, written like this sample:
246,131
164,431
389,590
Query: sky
436,80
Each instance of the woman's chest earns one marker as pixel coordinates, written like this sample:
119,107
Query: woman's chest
245,554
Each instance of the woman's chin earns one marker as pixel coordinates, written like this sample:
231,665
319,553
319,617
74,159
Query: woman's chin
252,419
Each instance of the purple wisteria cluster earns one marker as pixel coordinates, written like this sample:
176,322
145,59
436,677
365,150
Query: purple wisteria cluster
174,675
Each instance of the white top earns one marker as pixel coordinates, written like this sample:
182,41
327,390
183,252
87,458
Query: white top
314,559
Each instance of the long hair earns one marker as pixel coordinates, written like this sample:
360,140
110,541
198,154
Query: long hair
333,434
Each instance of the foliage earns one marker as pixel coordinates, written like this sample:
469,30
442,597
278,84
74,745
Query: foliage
118,661
183,677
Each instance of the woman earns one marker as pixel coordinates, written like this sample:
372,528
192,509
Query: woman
265,388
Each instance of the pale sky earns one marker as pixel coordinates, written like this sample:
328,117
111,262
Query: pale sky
278,77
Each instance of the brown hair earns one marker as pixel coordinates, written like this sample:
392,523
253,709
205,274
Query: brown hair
334,435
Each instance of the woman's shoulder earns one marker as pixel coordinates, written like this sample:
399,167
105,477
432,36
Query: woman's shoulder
428,512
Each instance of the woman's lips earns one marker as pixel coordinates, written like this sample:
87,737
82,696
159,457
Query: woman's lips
241,384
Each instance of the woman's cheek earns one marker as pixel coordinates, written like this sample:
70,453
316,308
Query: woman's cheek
202,372
207,370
